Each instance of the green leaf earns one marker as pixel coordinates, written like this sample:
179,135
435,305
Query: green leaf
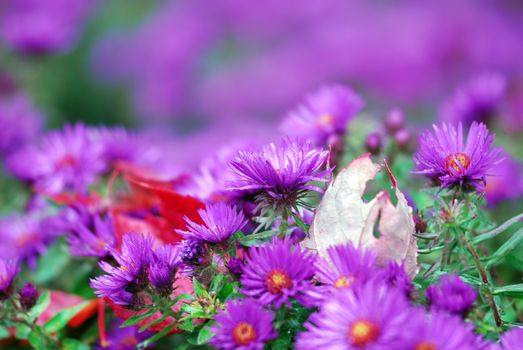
37,341
187,326
22,331
51,265
135,319
41,304
184,296
507,247
199,290
157,336
4,332
73,344
217,283
59,321
254,239
226,291
513,290
153,322
204,335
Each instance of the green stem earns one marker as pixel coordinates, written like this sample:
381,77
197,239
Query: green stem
484,279
284,225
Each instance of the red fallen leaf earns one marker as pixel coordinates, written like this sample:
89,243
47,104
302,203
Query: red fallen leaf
182,285
60,301
65,198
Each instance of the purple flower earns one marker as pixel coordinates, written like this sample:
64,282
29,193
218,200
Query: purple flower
371,316
324,114
512,339
477,100
445,157
220,221
394,275
438,330
162,270
123,338
275,273
63,160
8,271
20,123
505,182
42,26
395,120
452,295
373,143
28,296
95,239
25,237
130,275
280,173
243,325
346,267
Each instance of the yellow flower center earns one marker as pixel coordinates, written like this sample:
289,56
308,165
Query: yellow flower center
244,333
344,282
363,332
424,345
277,280
459,162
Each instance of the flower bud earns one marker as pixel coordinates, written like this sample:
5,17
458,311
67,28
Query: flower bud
373,143
395,120
402,138
28,296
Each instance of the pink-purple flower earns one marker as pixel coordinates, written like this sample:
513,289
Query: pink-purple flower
66,160
277,272
371,316
243,325
323,115
512,339
220,221
8,271
452,295
280,174
448,158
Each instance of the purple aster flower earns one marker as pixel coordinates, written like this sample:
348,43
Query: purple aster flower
370,316
123,338
95,239
243,325
220,221
25,237
20,121
162,270
8,271
394,275
324,114
192,255
477,100
42,26
235,266
63,160
498,188
28,296
276,272
440,331
512,339
281,173
130,275
346,267
452,295
445,157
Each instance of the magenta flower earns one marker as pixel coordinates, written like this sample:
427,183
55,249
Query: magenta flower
394,275
130,275
20,121
444,157
370,316
452,295
8,271
512,339
220,221
281,173
477,100
96,239
123,338
162,270
324,115
346,267
276,272
243,325
63,160
498,188
440,331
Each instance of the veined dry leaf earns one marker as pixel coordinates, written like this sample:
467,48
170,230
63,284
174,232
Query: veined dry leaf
344,216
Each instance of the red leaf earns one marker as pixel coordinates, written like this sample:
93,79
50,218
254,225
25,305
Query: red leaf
60,301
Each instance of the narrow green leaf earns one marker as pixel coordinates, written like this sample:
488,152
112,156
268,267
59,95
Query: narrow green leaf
187,326
4,332
254,239
198,288
157,336
513,290
153,322
22,331
217,283
204,335
500,229
59,321
43,302
37,341
135,319
73,344
507,247
184,296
